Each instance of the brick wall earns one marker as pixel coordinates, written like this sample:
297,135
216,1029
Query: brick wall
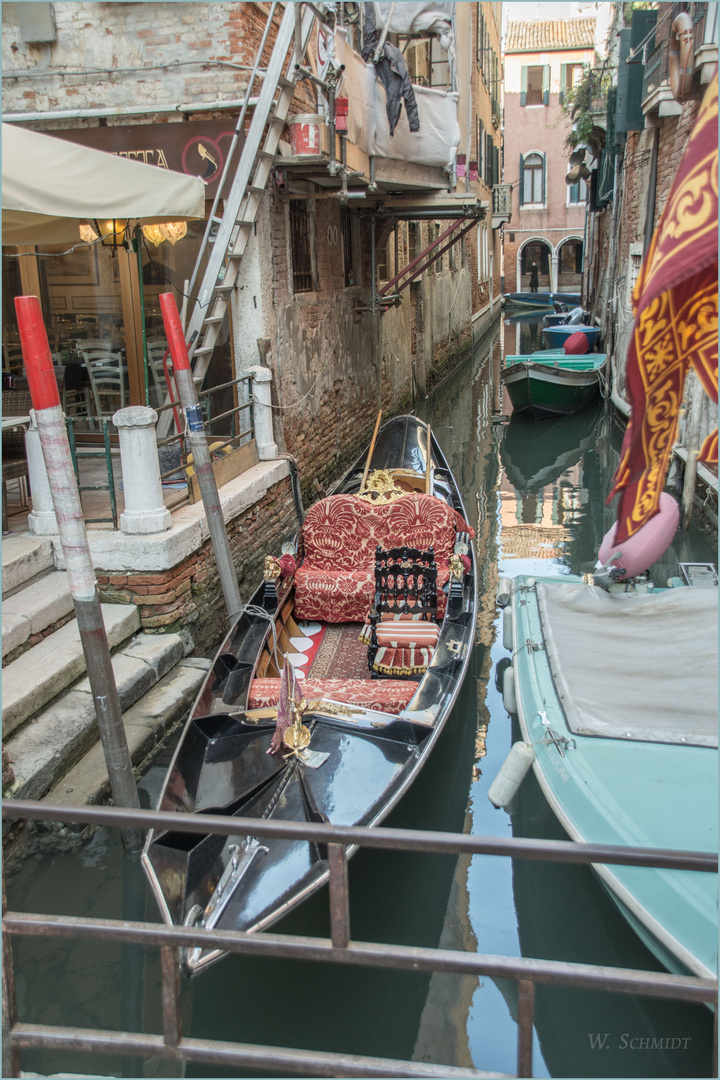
189,595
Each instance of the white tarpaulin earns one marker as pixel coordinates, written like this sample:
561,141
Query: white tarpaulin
50,186
412,18
634,667
434,144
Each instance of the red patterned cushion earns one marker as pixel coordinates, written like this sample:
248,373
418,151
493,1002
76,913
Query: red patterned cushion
338,530
402,659
420,521
385,695
334,596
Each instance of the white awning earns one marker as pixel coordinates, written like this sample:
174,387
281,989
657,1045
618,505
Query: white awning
50,186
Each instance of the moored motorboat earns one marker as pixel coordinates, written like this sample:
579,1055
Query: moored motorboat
616,697
551,382
341,744
541,300
556,336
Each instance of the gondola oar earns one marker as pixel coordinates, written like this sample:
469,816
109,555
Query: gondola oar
370,452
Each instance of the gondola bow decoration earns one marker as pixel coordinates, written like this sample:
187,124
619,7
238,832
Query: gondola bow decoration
675,307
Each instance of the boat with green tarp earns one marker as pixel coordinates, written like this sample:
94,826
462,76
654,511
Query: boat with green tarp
552,382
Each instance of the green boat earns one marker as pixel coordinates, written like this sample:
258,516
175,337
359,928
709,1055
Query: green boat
551,382
616,697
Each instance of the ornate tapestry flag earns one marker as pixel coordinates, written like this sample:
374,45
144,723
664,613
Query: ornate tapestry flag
675,306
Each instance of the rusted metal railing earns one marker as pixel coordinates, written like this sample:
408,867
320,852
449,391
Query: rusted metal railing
340,948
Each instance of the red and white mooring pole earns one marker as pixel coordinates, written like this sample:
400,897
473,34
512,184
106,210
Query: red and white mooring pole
202,462
76,551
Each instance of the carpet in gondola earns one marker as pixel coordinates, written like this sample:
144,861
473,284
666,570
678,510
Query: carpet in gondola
341,654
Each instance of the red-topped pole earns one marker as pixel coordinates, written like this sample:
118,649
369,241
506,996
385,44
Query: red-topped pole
202,462
76,551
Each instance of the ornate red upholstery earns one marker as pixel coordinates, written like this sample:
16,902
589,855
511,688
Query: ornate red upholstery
385,695
335,581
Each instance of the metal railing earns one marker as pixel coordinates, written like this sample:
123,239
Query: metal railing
656,69
234,436
104,424
340,948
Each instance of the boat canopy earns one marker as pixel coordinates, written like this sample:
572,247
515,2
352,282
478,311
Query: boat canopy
618,661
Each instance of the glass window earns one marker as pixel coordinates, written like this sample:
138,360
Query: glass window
534,85
577,193
533,179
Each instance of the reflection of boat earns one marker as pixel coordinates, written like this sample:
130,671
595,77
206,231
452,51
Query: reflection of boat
616,695
541,299
556,336
367,736
536,452
551,382
563,914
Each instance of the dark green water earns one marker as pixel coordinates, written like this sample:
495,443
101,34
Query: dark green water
536,494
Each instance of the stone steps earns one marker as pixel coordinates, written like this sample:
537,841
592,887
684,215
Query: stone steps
23,558
58,748
33,609
44,671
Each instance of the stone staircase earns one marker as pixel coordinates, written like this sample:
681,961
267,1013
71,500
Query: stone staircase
49,729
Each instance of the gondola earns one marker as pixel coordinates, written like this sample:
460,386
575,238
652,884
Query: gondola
328,693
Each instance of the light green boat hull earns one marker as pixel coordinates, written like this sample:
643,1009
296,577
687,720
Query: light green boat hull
629,792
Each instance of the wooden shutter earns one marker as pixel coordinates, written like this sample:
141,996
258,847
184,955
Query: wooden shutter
522,180
544,178
480,149
563,81
546,84
496,165
523,86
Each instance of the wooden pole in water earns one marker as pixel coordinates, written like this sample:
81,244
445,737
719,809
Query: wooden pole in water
428,474
692,447
370,452
78,561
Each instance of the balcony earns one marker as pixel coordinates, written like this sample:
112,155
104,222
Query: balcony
657,98
501,204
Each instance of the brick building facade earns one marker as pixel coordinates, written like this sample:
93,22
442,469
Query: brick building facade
542,59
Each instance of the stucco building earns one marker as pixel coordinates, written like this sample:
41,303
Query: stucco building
542,60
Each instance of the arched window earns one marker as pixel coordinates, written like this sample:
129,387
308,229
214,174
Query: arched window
532,180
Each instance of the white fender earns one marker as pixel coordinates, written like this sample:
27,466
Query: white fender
508,690
644,547
504,592
513,771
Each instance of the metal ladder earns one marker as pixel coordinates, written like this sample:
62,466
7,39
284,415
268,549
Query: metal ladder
235,226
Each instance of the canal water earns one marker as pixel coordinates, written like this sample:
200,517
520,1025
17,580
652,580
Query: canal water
535,491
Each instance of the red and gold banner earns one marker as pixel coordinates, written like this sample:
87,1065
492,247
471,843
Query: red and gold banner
675,305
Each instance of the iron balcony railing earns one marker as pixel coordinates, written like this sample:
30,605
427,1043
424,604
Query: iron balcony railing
657,62
339,948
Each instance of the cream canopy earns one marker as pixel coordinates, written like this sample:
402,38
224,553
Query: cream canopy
51,186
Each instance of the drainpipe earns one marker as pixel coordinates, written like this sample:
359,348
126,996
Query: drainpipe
202,461
652,185
78,562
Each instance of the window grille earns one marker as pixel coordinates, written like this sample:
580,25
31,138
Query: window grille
300,243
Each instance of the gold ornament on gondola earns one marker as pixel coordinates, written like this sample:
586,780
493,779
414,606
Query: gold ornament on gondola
380,488
297,736
457,570
271,570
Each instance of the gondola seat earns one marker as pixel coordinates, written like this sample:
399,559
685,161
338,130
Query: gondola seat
384,695
335,582
402,631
